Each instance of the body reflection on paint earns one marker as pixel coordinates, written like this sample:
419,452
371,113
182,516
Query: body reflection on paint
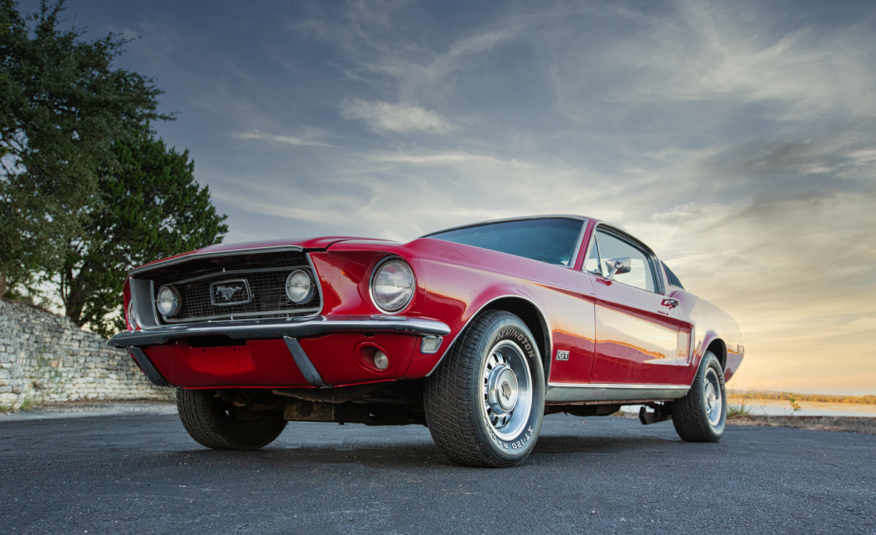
635,350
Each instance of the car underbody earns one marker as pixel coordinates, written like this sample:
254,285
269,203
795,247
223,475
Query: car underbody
396,403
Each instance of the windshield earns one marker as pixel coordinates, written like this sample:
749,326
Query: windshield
547,240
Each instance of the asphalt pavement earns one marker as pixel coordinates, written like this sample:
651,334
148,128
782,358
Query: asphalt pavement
141,473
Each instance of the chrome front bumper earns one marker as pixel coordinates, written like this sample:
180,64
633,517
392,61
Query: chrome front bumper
280,328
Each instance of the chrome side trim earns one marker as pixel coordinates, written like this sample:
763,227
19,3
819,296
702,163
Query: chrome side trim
559,393
281,327
305,366
464,327
234,252
619,385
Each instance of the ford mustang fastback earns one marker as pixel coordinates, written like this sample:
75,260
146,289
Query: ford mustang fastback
476,332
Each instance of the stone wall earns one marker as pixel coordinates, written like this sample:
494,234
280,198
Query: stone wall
46,358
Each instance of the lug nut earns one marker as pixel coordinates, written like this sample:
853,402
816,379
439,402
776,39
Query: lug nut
381,361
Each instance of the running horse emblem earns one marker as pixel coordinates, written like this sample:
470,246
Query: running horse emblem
226,292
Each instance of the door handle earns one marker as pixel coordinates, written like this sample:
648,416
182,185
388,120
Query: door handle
670,302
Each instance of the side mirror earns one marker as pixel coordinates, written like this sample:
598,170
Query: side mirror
618,266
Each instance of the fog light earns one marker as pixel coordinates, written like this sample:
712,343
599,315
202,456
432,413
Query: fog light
430,344
381,361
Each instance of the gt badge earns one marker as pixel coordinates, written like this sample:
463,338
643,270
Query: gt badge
562,355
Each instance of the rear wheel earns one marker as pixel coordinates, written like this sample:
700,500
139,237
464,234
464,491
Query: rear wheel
218,424
485,402
701,415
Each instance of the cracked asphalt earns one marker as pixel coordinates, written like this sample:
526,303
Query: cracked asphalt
141,473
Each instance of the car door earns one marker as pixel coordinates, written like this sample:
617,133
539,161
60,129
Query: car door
638,337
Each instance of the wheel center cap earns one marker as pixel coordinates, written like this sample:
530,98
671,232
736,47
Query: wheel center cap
710,396
503,389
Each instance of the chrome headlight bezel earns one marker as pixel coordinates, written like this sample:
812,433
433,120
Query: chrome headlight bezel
176,301
132,322
310,287
375,273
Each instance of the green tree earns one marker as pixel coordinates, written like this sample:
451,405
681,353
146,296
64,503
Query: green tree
151,208
62,104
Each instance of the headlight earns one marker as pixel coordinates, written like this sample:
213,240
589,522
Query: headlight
392,285
168,301
298,287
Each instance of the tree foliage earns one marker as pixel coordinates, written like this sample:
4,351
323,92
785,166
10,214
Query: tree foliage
62,105
87,192
151,208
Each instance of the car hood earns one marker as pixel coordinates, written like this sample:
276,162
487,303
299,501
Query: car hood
305,244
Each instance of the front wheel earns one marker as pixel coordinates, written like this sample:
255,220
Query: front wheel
485,402
218,424
701,415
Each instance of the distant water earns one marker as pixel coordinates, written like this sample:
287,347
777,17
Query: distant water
808,408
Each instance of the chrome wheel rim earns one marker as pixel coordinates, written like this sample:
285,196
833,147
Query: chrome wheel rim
713,401
506,390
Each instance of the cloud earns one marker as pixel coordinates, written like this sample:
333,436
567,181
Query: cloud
806,71
395,117
439,158
709,62
737,140
289,140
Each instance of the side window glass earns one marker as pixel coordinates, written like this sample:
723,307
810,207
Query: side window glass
641,275
592,263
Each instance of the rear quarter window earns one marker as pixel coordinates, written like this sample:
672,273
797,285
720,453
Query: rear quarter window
670,276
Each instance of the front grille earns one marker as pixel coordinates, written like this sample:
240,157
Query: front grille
266,280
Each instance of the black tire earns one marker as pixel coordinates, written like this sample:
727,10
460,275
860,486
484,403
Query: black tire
457,395
217,424
691,414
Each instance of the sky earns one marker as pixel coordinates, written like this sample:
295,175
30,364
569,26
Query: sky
735,138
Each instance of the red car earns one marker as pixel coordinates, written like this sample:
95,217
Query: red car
476,332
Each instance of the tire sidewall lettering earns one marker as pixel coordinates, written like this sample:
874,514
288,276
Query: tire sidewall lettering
521,339
519,444
516,444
